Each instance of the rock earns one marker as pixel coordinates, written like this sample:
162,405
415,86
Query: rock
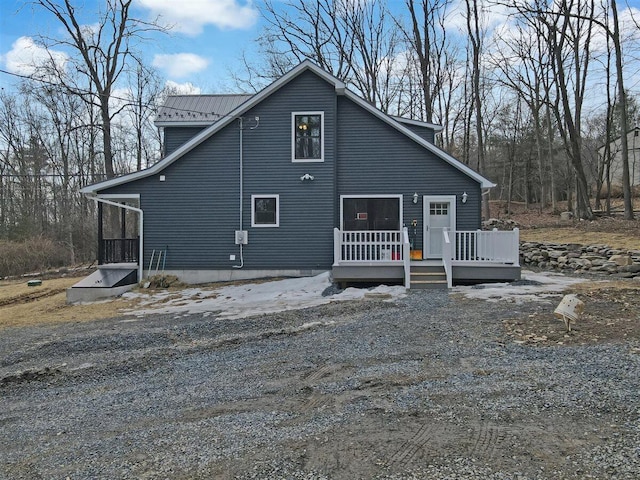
583,262
630,268
621,260
623,275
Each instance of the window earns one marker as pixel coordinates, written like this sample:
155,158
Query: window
265,210
308,137
439,209
371,213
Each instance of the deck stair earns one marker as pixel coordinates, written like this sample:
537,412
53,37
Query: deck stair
428,276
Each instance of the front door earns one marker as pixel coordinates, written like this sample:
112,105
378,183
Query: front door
439,213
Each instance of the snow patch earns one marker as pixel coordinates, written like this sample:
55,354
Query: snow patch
536,287
238,301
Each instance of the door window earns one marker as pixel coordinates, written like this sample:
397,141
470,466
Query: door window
438,208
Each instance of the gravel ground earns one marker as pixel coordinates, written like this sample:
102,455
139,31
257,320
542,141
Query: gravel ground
428,386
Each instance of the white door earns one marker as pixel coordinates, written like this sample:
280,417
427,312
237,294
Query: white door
439,213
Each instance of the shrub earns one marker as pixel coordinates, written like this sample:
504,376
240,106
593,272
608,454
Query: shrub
34,254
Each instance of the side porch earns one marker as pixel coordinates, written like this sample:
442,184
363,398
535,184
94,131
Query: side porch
385,256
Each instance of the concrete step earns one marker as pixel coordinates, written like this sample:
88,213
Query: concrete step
428,277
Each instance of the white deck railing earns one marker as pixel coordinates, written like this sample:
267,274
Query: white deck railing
493,246
368,246
390,247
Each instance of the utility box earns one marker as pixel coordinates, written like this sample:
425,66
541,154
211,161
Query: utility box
242,237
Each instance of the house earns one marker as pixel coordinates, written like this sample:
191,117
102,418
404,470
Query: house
615,154
301,178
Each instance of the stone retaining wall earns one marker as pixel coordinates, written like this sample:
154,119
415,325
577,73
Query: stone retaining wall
571,257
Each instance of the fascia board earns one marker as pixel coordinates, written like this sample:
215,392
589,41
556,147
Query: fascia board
418,123
184,124
484,183
208,132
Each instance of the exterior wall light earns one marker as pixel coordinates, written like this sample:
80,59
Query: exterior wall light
306,176
464,197
415,197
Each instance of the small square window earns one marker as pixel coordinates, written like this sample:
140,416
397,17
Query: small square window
265,210
439,209
308,137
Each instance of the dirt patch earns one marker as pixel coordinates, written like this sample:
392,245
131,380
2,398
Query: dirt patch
611,314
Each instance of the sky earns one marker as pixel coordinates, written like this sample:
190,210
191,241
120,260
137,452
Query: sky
206,43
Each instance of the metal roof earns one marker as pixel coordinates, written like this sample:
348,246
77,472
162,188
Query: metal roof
197,110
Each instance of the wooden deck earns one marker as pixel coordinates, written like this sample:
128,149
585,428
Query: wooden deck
468,257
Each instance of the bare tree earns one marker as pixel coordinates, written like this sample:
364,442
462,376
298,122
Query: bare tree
622,100
476,37
103,50
355,41
428,39
523,66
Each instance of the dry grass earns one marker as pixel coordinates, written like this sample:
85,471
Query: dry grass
616,240
547,226
21,305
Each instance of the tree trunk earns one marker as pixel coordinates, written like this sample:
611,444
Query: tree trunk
622,100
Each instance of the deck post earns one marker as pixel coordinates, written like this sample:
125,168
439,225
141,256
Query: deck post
100,236
516,245
447,255
337,247
406,258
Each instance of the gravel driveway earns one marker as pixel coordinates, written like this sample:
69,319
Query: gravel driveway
428,386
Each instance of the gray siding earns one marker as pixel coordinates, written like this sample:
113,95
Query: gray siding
174,137
427,133
195,211
392,164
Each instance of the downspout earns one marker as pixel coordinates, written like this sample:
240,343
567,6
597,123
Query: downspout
140,227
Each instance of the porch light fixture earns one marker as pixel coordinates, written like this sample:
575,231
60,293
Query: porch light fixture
306,176
464,197
415,197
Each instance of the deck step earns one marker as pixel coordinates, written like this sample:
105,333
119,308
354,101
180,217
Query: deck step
433,285
428,277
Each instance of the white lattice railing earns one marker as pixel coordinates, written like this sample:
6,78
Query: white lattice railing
369,246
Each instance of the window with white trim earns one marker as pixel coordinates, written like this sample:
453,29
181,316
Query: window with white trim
307,142
265,210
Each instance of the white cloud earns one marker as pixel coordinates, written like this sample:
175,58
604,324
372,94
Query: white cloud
191,17
26,57
187,88
178,65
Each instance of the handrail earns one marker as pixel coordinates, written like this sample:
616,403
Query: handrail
447,257
406,257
